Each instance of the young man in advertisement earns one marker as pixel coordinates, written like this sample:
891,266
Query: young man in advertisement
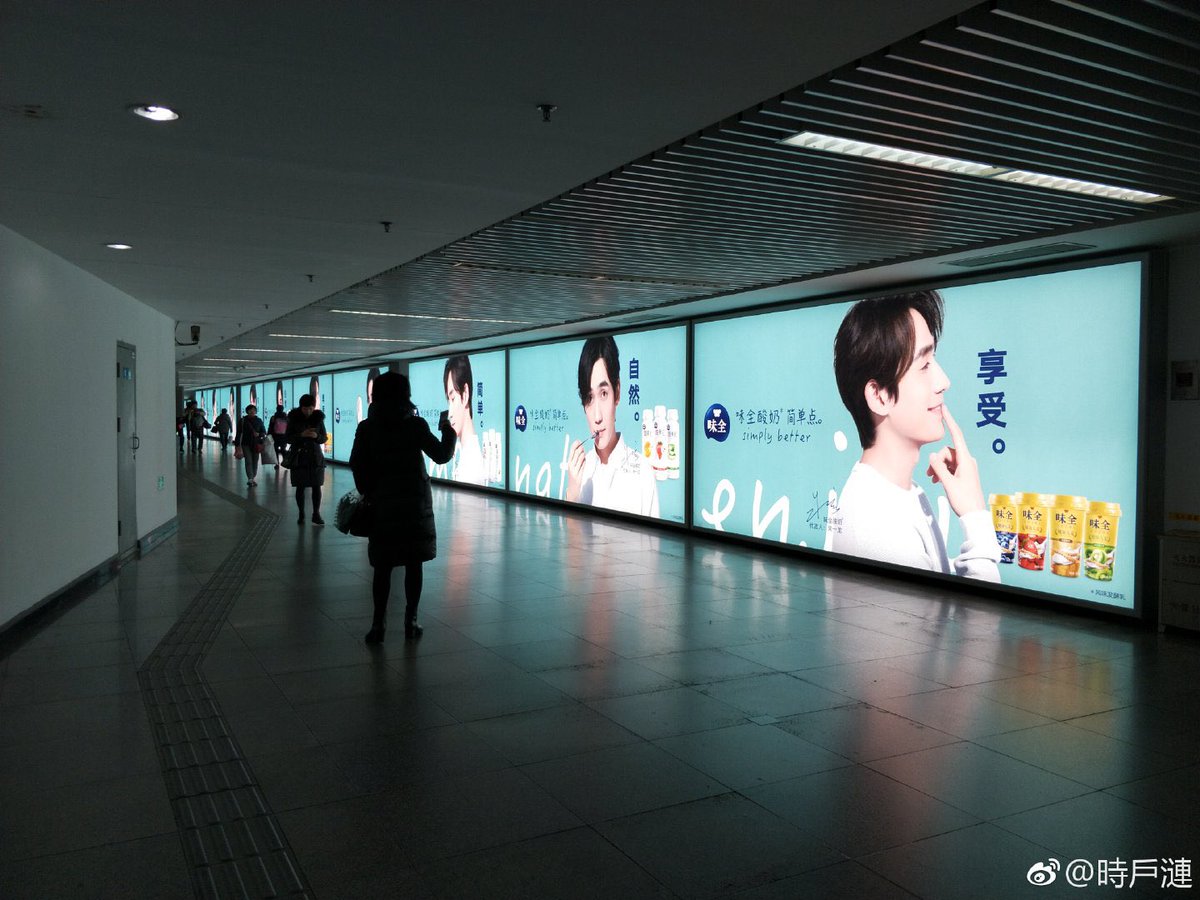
888,379
609,474
469,467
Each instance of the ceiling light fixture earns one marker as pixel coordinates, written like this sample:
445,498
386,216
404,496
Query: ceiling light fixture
265,350
154,113
360,312
333,337
119,246
259,362
811,140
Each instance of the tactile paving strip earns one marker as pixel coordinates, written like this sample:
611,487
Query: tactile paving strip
231,839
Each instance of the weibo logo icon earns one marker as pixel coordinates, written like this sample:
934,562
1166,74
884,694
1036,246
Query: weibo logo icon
1043,873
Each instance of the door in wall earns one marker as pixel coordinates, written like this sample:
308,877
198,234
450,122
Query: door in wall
127,446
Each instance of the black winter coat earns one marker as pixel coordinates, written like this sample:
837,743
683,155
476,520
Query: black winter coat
308,466
251,432
389,471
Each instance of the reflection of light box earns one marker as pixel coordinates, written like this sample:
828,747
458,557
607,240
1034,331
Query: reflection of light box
1184,385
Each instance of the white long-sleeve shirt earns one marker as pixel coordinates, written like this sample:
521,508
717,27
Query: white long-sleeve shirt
881,521
626,482
468,464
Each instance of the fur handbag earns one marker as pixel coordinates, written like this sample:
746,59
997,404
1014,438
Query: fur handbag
354,515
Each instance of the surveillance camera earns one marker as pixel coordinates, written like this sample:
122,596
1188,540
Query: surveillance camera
195,332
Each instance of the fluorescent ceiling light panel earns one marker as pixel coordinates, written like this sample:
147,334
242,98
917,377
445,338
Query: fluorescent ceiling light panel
333,337
264,350
811,140
119,246
360,312
1079,187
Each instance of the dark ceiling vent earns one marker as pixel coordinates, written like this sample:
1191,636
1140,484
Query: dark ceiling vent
25,110
1018,255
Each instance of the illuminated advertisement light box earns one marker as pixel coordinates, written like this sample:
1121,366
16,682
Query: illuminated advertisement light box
351,401
247,394
597,422
319,387
266,403
470,387
279,393
1040,376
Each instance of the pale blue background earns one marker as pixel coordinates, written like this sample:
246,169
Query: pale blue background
546,377
429,394
325,382
342,417
1073,370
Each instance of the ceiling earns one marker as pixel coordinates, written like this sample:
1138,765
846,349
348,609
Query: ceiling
658,187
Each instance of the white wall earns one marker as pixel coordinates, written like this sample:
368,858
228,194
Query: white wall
1182,494
59,328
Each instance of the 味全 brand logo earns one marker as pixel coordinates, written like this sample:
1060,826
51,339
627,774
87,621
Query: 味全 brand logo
716,423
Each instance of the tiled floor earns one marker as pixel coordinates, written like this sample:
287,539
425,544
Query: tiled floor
598,711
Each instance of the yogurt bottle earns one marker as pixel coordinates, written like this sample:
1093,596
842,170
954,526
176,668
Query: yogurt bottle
1033,530
658,431
1067,519
1100,540
672,443
1004,521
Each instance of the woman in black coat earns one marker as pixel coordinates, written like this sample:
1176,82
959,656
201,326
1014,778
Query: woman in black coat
389,471
305,436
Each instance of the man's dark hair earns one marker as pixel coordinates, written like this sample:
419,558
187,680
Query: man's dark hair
604,348
458,368
876,342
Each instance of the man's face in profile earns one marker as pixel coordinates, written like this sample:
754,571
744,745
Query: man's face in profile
458,404
601,407
916,410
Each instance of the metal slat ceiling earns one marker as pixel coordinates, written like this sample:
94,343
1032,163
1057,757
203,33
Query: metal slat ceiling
1099,90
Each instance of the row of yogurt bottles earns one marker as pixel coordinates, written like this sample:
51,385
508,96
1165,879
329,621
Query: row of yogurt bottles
661,441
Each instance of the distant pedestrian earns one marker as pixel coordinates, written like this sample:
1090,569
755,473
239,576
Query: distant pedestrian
305,436
181,424
252,436
197,422
222,427
278,430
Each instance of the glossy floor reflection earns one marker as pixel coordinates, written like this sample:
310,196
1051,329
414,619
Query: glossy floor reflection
599,711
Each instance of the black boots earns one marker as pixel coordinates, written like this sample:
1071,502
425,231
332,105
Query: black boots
412,631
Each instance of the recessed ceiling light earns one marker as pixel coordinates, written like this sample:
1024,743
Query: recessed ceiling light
811,140
154,112
360,312
119,246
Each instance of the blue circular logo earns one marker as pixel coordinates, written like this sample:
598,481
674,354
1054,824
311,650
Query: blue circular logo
337,414
716,423
520,419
